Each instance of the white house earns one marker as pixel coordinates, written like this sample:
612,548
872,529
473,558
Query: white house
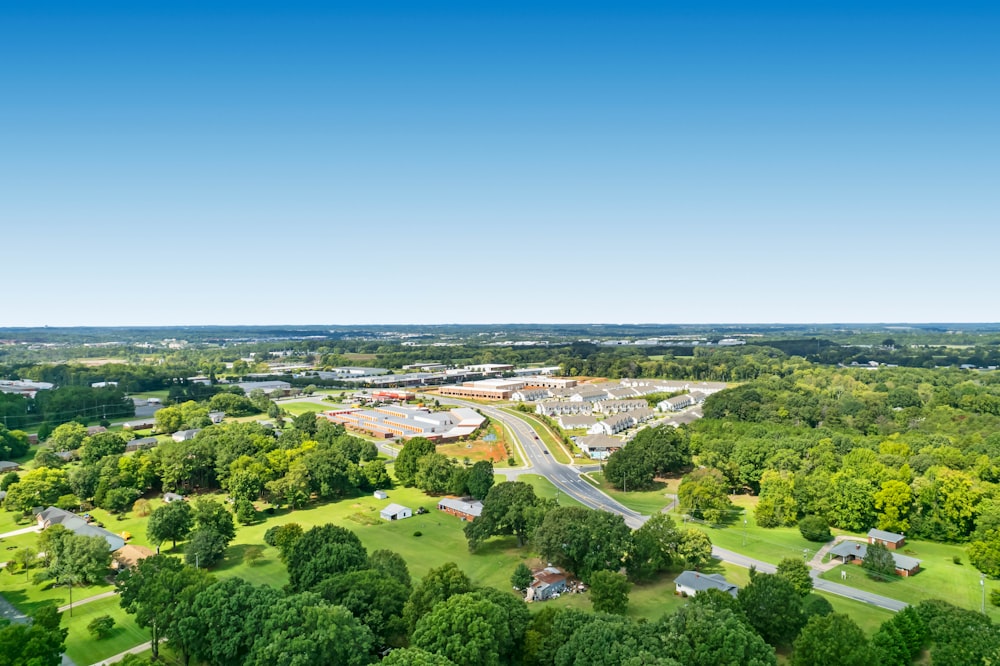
619,406
395,512
612,424
569,422
185,435
675,404
557,407
690,583
598,447
530,394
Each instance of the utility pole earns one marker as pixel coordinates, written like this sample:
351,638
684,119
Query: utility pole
982,584
744,532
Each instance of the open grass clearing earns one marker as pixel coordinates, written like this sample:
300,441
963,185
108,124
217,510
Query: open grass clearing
83,648
648,502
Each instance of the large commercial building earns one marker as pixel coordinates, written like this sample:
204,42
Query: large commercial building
406,422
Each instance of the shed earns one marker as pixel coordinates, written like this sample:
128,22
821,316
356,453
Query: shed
8,466
395,512
172,497
380,494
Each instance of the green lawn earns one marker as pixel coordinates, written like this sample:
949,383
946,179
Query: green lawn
644,501
296,408
83,648
868,617
547,437
939,578
544,488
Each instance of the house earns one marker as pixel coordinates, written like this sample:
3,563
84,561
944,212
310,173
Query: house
144,424
216,417
464,509
141,443
890,540
675,404
611,425
8,466
690,583
587,395
65,456
570,422
530,394
185,435
548,583
619,406
557,407
380,494
395,512
598,447
3,495
172,497
78,525
854,552
95,430
128,557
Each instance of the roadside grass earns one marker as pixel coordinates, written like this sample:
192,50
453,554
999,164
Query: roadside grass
544,488
644,501
868,617
545,434
939,578
297,408
84,649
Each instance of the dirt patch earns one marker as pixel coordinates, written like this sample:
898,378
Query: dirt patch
475,451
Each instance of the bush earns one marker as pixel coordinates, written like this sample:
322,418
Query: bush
956,559
418,533
100,627
815,528
995,597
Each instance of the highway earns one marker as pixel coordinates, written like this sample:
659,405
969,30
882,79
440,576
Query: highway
567,479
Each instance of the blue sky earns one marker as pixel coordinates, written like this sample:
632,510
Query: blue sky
476,162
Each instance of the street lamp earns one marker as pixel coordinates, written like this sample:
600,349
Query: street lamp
744,532
982,584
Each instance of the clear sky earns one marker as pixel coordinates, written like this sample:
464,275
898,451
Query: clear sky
473,162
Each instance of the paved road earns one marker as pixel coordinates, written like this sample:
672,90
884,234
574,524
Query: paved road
76,604
567,479
121,655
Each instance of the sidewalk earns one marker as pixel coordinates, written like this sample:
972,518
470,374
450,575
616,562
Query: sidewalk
121,655
102,595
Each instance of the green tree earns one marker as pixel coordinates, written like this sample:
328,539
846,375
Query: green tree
509,508
438,585
24,558
245,512
480,479
609,592
209,514
815,528
282,537
301,629
796,572
150,592
654,547
229,617
582,540
522,577
322,552
434,473
878,561
773,607
376,475
694,548
415,657
118,500
893,500
38,487
206,547
701,634
828,639
467,629
170,522
67,437
390,564
100,446
407,462
38,643
80,558
101,627
777,506
375,599
703,494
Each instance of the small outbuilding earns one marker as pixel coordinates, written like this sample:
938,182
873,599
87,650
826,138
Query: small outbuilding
172,497
185,435
8,466
380,494
890,540
395,512
548,583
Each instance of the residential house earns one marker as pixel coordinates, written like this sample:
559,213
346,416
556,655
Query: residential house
557,407
216,417
8,466
585,394
95,430
78,525
547,583
172,497
854,552
598,447
611,425
890,540
676,403
143,424
464,509
395,512
185,435
571,422
141,443
530,394
690,583
619,406
128,557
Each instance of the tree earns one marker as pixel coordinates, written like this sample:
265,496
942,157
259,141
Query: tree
24,558
776,506
480,479
773,607
306,422
434,473
815,528
375,599
67,437
282,537
209,514
101,627
376,475
245,511
893,501
694,548
415,657
322,552
467,629
229,617
831,639
9,479
796,572
582,540
407,462
38,487
704,495
654,547
38,643
171,522
878,561
80,558
438,585
150,592
522,578
390,564
100,446
205,548
118,500
703,634
609,592
509,508
141,508
301,629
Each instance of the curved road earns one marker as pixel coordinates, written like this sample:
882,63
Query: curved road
567,479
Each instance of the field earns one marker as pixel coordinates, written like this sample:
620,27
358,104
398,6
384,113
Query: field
644,501
301,407
83,648
475,451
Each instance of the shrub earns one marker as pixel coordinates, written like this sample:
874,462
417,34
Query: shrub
956,559
418,533
995,597
815,528
100,627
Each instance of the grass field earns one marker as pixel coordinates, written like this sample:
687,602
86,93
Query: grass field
297,408
83,648
644,501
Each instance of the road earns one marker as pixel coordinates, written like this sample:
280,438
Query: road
567,479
